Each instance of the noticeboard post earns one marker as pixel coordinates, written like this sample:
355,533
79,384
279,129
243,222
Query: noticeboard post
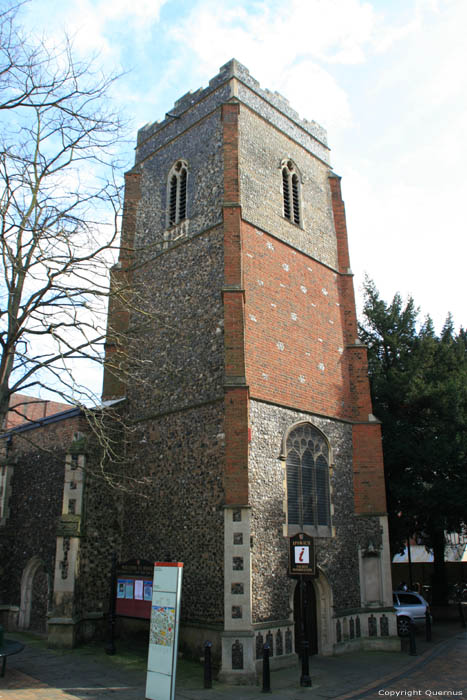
302,562
163,636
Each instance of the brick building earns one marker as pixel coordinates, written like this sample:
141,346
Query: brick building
252,418
28,409
248,411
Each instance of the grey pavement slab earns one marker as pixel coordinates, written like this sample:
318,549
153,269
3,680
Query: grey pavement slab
88,673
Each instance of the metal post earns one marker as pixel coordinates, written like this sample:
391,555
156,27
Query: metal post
427,626
409,557
207,665
266,670
413,644
461,614
110,645
305,680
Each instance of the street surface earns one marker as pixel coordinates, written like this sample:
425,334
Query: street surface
439,670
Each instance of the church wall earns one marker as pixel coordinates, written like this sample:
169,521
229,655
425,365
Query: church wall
179,515
101,536
275,110
176,443
337,556
247,324
295,346
190,109
200,146
262,150
37,461
178,350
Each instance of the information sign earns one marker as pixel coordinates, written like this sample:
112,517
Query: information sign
163,634
302,555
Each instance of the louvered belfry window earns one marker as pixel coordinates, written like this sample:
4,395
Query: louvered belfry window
177,193
291,192
308,501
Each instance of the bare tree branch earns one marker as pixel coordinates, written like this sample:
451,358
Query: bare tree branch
59,210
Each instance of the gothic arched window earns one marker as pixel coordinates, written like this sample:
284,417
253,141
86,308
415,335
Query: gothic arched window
307,464
176,193
291,192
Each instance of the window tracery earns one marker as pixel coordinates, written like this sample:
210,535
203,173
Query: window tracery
308,492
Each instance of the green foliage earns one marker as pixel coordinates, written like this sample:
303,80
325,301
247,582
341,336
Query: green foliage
419,390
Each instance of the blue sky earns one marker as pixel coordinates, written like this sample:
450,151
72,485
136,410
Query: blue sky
386,78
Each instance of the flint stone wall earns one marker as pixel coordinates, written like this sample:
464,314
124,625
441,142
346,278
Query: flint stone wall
262,149
179,345
201,148
102,534
180,517
337,556
35,505
270,105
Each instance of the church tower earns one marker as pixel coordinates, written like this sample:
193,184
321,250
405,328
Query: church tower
249,404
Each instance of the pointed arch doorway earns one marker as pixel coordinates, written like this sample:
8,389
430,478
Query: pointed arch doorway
310,618
35,589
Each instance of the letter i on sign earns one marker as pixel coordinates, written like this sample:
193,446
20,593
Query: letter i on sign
302,555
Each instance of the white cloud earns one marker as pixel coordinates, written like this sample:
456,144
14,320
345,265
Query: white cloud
316,94
385,78
287,47
96,25
330,30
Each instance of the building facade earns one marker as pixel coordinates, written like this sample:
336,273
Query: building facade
59,524
249,399
244,410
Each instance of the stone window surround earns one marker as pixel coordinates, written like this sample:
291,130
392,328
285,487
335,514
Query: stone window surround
176,199
291,186
314,531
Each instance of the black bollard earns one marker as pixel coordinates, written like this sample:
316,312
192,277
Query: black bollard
111,617
207,665
305,680
266,670
427,626
461,614
413,645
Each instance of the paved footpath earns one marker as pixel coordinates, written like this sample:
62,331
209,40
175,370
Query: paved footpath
439,670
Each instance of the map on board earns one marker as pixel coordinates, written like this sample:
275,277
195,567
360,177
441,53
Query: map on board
162,626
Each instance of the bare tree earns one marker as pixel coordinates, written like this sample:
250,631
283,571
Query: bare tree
59,205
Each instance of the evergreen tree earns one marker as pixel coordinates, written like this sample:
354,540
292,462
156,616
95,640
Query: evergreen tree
419,391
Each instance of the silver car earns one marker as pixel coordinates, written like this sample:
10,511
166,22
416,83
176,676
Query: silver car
409,606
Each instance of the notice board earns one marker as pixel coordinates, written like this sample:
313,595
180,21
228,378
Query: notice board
134,588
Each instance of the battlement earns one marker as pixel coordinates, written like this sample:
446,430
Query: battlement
234,69
249,92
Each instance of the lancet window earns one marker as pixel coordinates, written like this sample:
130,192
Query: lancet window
177,193
291,192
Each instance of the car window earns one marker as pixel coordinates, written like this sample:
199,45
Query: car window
394,600
408,599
